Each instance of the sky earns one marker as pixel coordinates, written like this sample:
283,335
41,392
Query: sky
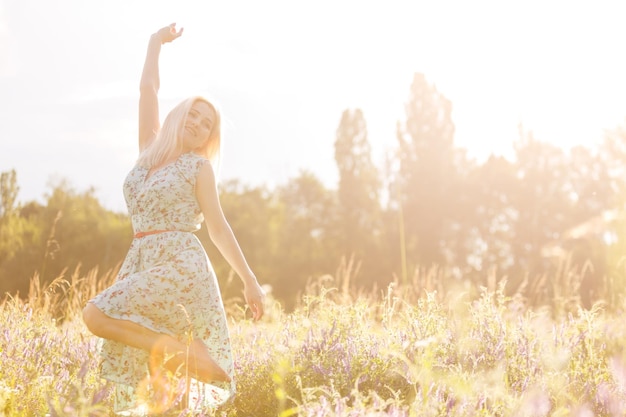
283,71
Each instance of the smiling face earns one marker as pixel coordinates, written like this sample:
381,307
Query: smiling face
198,125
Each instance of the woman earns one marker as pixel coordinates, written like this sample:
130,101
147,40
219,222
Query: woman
165,311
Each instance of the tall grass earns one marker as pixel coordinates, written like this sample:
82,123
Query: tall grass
425,348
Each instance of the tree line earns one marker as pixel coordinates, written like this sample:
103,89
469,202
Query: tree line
429,207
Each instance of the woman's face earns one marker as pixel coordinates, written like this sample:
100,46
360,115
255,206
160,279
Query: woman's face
198,125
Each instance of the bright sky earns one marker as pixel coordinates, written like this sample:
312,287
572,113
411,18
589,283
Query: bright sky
284,70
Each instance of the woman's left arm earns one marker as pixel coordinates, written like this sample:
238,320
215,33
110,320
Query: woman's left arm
224,239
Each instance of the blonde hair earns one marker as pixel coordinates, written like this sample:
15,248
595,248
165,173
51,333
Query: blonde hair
168,143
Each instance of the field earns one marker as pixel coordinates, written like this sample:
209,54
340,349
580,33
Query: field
419,349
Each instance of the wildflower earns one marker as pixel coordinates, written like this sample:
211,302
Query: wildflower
6,395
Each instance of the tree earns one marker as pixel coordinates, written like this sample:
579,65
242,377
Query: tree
358,192
426,172
487,206
612,157
541,201
556,192
16,232
307,237
256,221
8,194
71,230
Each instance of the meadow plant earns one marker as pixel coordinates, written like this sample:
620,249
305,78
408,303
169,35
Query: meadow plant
399,351
49,367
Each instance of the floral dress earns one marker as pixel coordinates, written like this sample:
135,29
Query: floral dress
167,284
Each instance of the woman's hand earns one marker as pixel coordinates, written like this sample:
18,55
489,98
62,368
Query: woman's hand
255,297
169,33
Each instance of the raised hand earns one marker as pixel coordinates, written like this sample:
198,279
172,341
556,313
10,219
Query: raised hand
169,33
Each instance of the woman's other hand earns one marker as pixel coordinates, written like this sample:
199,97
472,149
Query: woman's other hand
169,33
255,297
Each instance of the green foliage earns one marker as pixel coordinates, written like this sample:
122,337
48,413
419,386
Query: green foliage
288,236
16,232
427,173
256,220
540,194
71,230
306,237
359,229
83,226
8,193
487,206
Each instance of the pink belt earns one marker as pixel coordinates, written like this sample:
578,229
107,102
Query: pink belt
150,232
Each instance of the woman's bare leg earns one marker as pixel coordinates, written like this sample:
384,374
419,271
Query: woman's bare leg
195,356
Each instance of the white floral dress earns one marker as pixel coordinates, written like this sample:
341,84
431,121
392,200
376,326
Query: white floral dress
167,284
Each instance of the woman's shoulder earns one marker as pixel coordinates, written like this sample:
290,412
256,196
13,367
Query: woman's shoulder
192,163
194,156
193,159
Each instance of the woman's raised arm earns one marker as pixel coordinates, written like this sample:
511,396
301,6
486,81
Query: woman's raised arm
149,85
